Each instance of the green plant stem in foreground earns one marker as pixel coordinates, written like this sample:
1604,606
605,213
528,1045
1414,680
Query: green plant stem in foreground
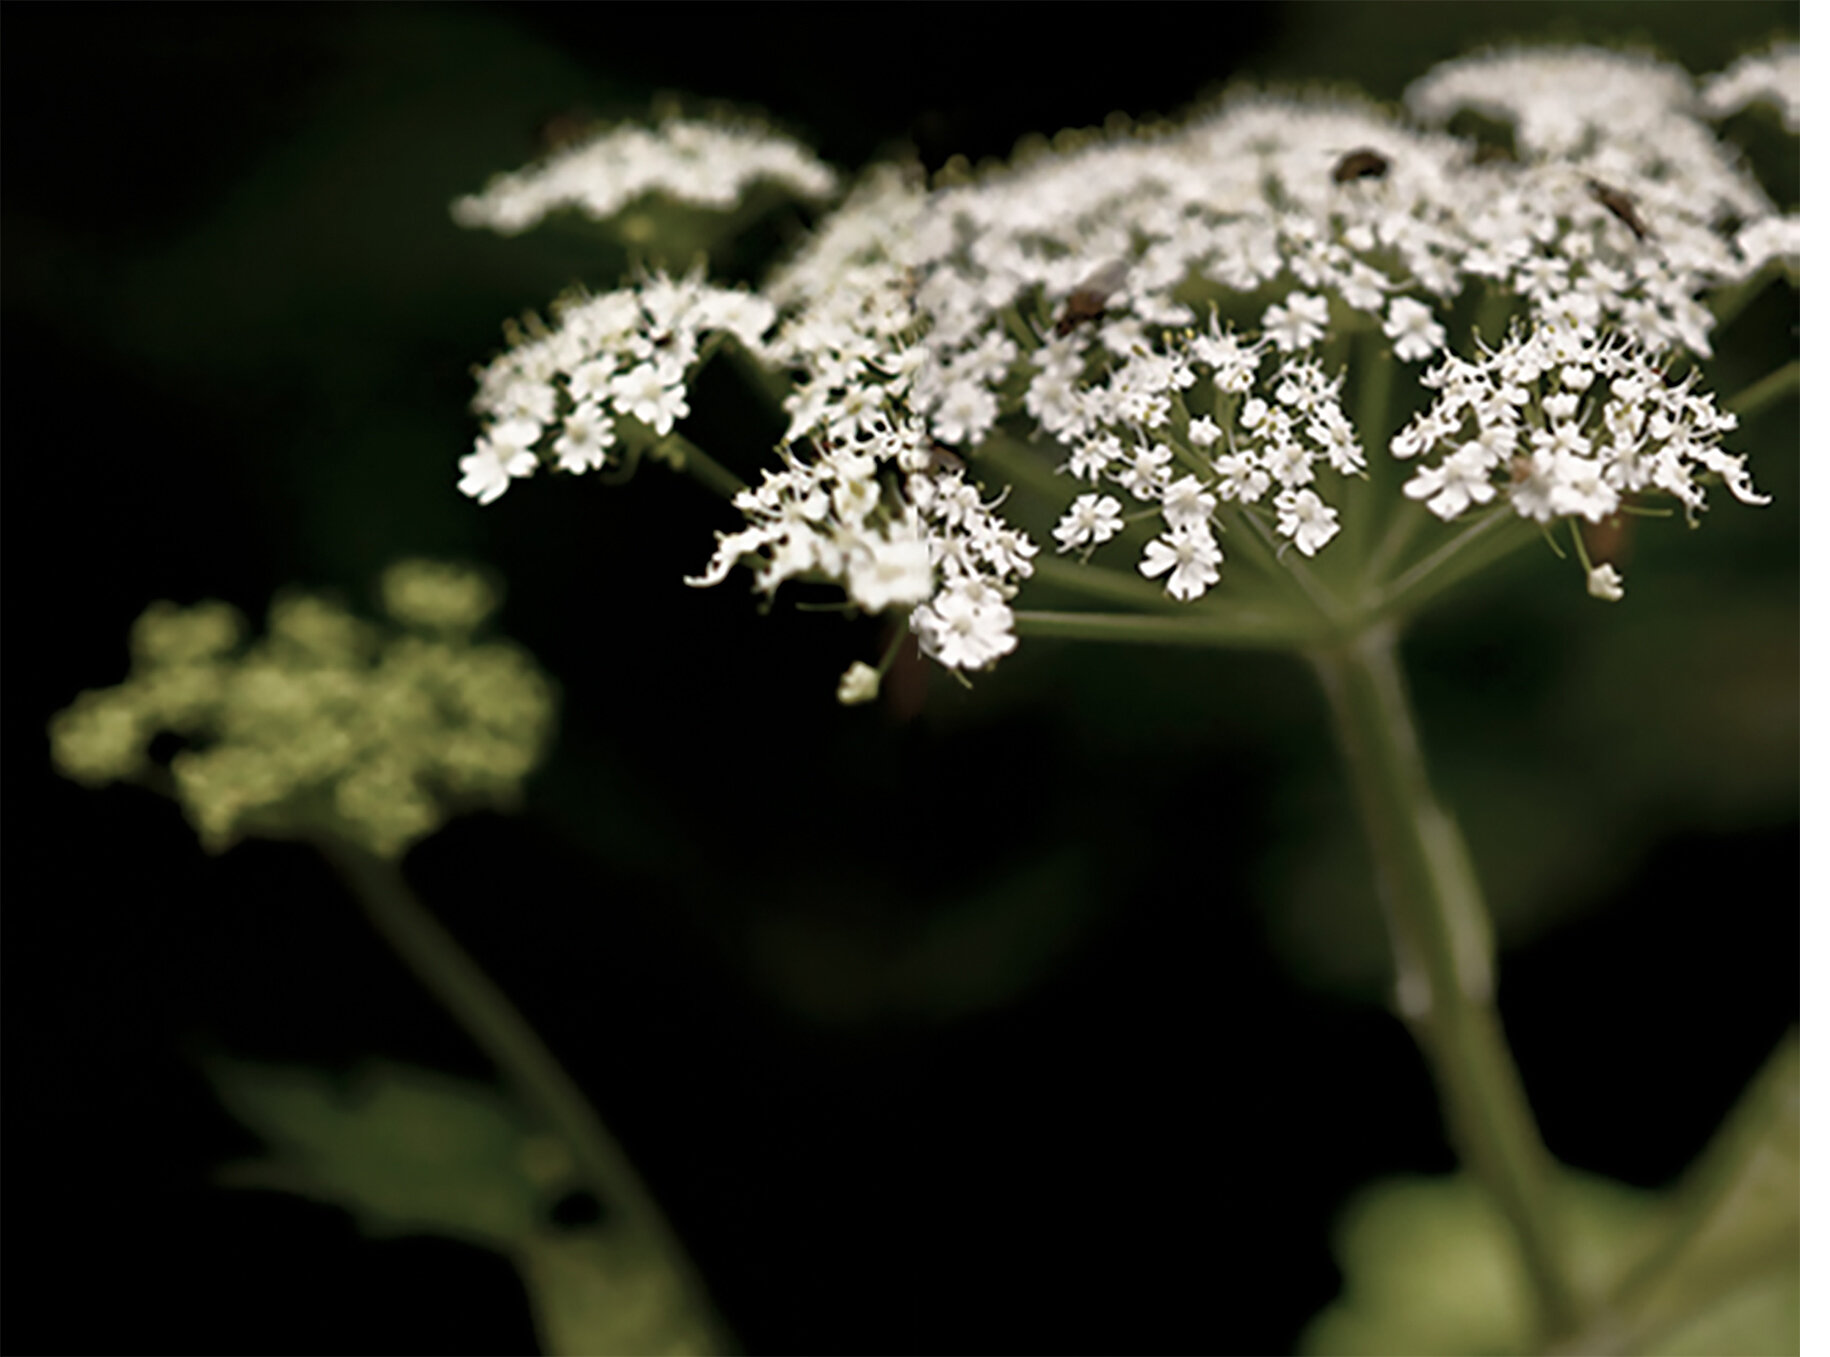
497,1026
1443,952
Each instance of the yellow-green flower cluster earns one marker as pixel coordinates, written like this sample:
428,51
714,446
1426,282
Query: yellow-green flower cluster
329,723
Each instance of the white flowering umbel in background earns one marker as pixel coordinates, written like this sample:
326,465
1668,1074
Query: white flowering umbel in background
1272,376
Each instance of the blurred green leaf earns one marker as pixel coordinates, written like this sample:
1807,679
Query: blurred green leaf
1430,1267
1709,1268
407,1151
1723,1274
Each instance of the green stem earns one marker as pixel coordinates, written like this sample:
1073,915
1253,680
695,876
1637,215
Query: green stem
1023,464
1372,421
687,456
1236,629
771,384
1281,553
494,1023
1491,315
1776,385
1442,947
1407,519
1103,585
1729,302
1472,549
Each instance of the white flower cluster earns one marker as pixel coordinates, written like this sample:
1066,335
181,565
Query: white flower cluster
1626,195
924,540
631,353
1770,77
1151,307
1562,422
702,163
1257,434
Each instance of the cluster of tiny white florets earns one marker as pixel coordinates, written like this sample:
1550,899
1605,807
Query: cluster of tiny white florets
327,723
1594,128
1153,308
1201,426
928,542
705,164
1561,423
1769,77
630,353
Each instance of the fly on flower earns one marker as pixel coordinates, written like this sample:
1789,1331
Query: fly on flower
1088,301
944,457
1364,163
567,129
1620,205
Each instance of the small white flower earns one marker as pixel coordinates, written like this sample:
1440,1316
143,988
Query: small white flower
653,393
584,434
486,472
1186,503
1605,583
965,628
892,573
1582,489
1412,328
1461,480
1241,477
1331,432
1563,405
858,684
1090,458
1203,432
1090,519
1190,555
1302,517
1300,321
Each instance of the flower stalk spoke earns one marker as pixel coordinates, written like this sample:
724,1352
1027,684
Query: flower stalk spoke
1442,952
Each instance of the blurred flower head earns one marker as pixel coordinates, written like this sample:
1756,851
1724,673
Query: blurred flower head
328,723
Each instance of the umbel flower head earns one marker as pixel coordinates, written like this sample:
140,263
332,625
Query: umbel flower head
328,723
1200,336
707,164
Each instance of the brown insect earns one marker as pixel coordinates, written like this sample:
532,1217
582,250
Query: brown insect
568,129
1620,205
944,456
1364,163
1088,301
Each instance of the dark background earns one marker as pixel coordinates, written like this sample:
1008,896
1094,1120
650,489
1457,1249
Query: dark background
1048,1019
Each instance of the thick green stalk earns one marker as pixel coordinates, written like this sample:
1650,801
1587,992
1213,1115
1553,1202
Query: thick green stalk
1442,945
494,1023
